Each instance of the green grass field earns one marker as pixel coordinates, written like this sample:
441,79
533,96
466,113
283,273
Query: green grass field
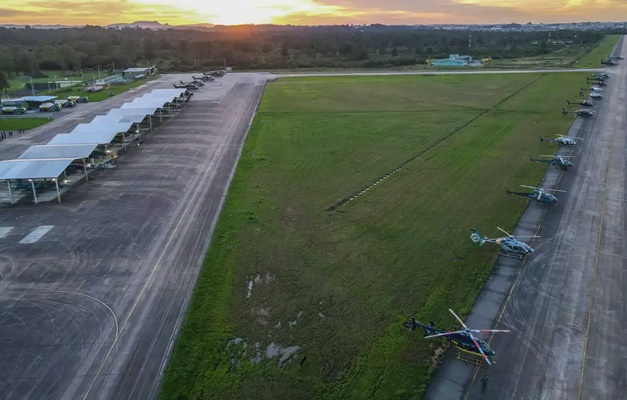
593,58
331,290
99,96
13,124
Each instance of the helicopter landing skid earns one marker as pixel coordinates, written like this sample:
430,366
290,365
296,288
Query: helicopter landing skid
512,255
470,359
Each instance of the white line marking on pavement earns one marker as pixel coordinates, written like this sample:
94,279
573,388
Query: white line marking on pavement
36,234
4,231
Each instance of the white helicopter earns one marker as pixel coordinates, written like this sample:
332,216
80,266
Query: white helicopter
562,140
540,195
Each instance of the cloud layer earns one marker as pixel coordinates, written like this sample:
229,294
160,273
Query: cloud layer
102,12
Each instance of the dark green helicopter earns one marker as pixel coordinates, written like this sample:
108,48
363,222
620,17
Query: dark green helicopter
557,161
539,195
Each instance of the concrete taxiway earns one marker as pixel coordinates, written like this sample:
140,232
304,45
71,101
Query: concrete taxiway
92,290
566,306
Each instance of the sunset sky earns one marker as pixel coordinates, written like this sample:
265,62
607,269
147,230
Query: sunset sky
308,12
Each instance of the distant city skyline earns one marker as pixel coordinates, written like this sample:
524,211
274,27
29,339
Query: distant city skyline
310,12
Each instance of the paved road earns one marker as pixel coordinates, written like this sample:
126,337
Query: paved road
92,290
567,305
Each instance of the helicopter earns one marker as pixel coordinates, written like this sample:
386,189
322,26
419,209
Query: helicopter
204,78
583,103
581,112
596,96
592,89
558,161
609,62
539,195
562,140
614,58
602,75
510,245
598,82
187,86
462,339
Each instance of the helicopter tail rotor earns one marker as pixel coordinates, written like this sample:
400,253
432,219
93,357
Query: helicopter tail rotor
476,237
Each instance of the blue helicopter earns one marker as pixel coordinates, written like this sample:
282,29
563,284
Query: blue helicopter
539,195
558,161
510,245
462,339
562,140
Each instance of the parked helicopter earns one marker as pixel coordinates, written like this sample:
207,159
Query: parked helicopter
539,195
204,78
592,89
583,103
581,112
558,161
596,96
510,245
462,339
609,62
187,86
598,82
562,140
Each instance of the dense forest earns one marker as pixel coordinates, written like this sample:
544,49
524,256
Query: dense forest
29,51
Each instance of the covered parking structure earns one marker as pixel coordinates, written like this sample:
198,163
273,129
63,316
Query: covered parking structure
101,124
137,115
62,151
32,170
91,139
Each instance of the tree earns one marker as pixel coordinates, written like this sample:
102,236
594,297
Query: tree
4,83
394,51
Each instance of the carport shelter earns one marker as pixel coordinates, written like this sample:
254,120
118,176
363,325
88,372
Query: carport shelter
62,151
33,169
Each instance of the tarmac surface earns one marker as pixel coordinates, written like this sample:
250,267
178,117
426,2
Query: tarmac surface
565,304
93,290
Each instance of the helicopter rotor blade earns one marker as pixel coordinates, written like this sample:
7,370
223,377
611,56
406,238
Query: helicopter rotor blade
518,237
503,231
530,187
554,190
491,330
459,319
480,349
444,334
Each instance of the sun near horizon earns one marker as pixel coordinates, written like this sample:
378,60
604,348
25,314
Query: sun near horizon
308,12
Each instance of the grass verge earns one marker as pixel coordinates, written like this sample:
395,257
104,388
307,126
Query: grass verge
13,124
297,302
98,96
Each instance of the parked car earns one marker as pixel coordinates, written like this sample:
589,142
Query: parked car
13,110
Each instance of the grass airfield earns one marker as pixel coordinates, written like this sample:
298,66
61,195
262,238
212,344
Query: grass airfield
324,294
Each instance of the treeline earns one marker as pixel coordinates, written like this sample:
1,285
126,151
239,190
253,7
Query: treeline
28,51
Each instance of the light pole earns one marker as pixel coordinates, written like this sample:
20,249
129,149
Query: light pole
32,87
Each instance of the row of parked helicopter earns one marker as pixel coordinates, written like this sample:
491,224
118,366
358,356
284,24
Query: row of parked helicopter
512,246
199,81
509,245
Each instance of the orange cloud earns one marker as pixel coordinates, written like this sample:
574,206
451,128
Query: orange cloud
311,12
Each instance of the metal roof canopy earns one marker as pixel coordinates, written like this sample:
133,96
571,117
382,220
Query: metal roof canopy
177,92
133,111
33,169
84,138
73,151
102,125
144,104
42,99
137,69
